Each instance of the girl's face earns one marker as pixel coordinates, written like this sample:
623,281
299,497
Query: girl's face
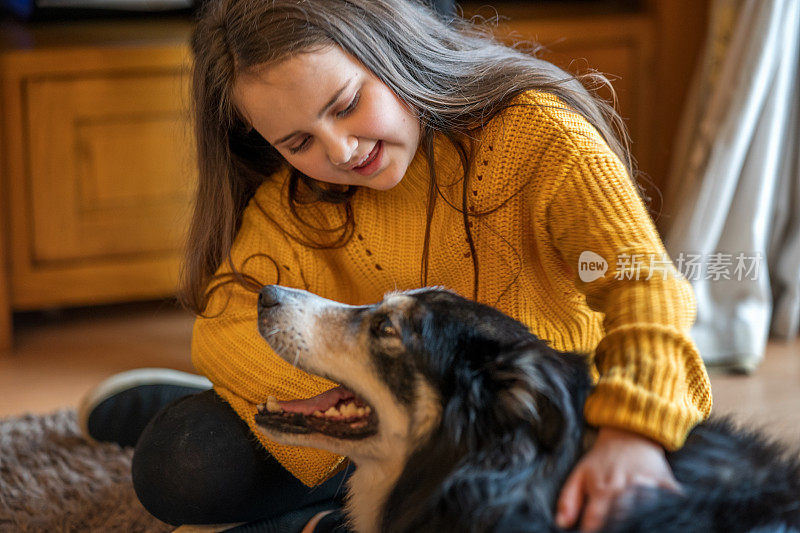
331,118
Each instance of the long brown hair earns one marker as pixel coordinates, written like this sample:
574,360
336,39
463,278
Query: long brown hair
454,75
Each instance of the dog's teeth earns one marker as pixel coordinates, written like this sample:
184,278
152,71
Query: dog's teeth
318,413
367,410
349,409
361,411
332,411
272,405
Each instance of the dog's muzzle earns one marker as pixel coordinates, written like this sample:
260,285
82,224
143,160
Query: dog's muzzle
284,315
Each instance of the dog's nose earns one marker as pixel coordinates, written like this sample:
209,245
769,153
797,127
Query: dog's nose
268,297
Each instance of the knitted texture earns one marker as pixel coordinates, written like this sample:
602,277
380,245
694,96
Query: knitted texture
543,188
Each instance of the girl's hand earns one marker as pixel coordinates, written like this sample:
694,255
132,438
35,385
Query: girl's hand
618,461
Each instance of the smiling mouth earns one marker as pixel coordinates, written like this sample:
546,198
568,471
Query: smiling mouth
370,157
338,413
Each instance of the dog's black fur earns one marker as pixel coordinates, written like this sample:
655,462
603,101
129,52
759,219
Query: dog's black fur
511,429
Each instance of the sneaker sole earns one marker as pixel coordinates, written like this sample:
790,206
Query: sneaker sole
133,378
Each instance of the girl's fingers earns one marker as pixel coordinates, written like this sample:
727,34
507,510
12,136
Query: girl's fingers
570,500
671,484
596,511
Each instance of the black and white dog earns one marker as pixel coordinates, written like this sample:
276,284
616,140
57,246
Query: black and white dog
459,419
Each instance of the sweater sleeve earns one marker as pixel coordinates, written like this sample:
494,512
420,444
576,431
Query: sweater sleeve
228,349
652,379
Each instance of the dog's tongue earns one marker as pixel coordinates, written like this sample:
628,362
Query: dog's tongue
321,402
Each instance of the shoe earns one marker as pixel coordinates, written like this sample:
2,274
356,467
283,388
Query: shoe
118,409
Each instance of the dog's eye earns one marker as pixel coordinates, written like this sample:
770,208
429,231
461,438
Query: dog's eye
384,328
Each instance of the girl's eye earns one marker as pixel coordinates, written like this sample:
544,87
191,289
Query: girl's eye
341,114
349,109
302,146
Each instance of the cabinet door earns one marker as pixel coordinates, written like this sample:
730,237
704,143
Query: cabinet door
110,166
103,197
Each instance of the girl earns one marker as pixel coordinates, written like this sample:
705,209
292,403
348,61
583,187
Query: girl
352,147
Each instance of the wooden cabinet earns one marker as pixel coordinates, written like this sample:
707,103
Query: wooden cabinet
108,174
97,165
96,168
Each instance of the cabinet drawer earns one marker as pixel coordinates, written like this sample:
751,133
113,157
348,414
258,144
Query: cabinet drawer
110,166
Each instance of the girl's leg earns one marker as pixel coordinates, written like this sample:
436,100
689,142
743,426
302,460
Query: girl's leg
198,463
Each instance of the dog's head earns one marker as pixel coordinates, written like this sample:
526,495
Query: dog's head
416,363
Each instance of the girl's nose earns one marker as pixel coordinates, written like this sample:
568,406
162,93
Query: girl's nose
341,149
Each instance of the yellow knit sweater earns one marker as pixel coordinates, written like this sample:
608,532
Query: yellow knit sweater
555,190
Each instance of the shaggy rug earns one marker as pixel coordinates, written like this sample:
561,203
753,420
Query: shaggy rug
52,479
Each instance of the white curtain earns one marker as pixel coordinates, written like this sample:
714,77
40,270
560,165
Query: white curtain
733,203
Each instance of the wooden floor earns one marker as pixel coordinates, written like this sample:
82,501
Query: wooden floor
58,355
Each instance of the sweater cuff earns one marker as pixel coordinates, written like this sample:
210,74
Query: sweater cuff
653,383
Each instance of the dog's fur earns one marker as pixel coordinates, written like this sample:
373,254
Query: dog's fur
476,424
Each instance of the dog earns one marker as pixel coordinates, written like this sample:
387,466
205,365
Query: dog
459,419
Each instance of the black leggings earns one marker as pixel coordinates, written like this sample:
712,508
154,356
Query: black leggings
197,462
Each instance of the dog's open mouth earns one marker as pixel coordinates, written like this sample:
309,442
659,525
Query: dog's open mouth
337,413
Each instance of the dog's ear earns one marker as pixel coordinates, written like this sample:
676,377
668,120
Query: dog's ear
498,385
533,385
508,407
